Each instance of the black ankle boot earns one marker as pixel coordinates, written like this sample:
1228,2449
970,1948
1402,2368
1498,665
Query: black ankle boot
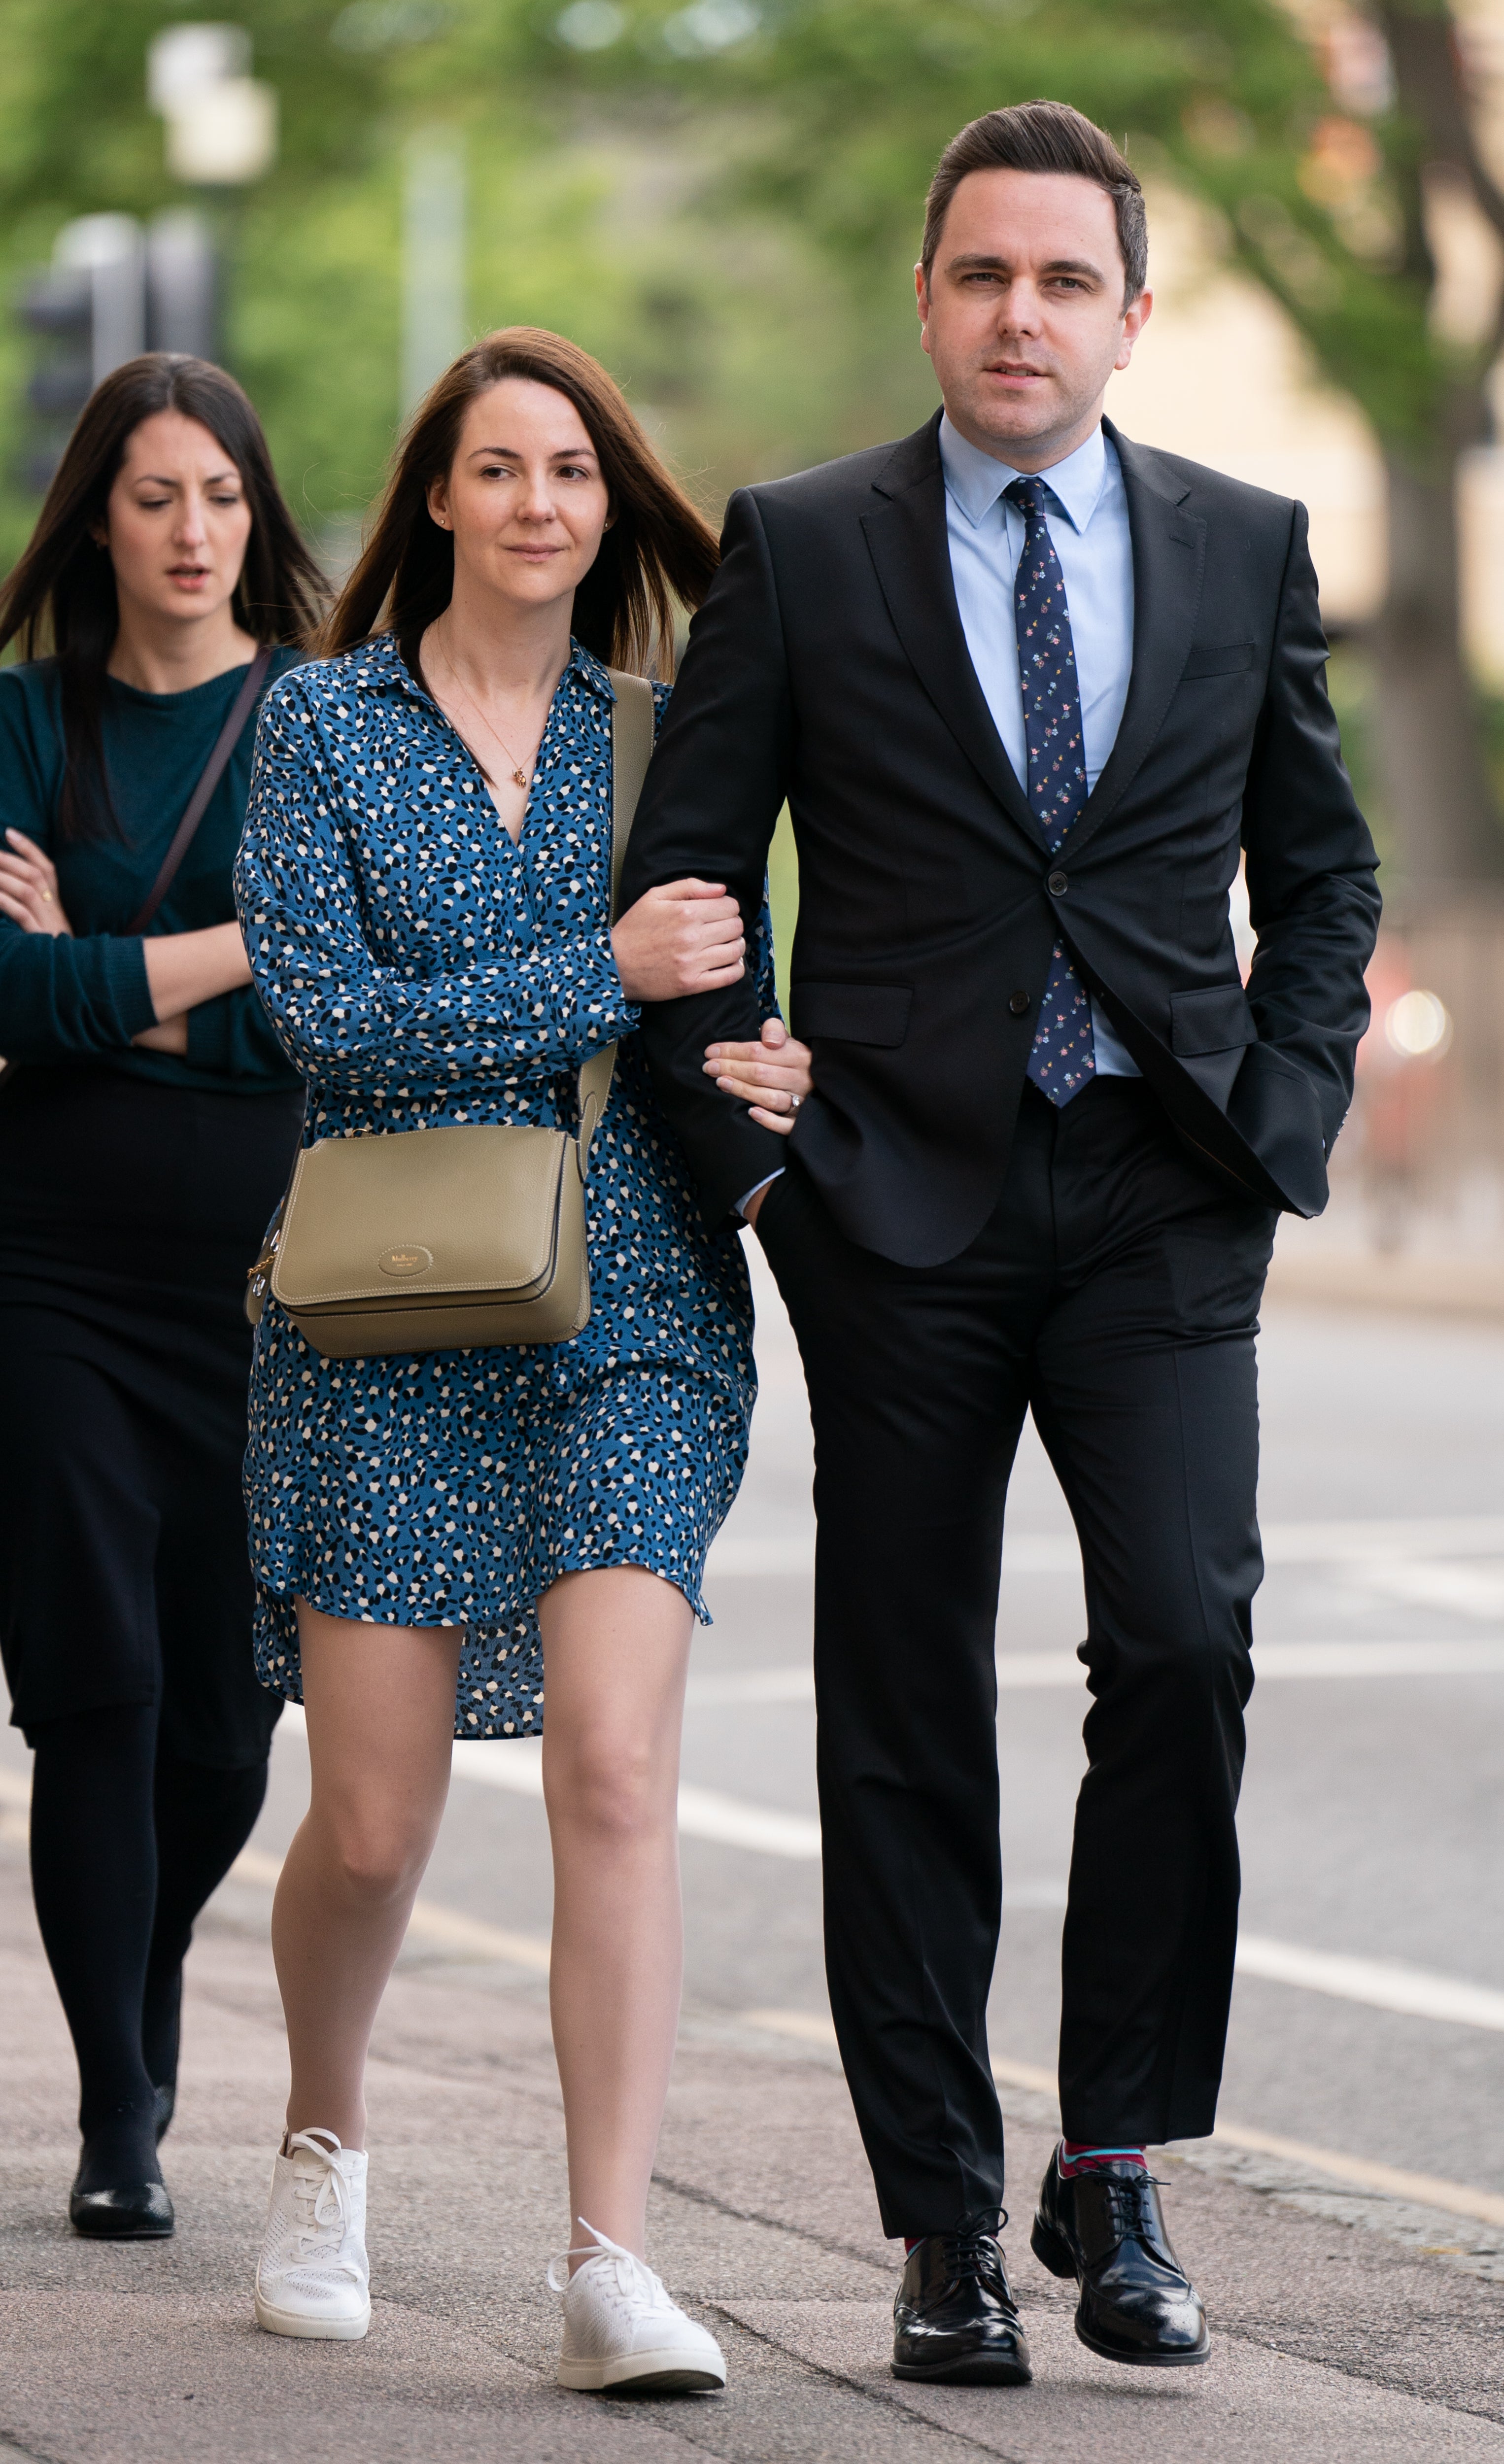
161,2029
117,2192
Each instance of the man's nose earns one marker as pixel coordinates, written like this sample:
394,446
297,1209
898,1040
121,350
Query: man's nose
1019,309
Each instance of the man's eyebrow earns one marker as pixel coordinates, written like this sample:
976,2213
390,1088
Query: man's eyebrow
981,262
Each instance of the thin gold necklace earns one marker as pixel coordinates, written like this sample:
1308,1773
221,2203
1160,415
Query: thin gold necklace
519,776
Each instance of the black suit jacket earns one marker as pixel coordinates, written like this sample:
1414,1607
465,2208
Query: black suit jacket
829,666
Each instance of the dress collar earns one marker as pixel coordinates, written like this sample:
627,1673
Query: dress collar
581,664
975,480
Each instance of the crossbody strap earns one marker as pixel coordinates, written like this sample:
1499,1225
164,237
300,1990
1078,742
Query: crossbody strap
210,777
632,750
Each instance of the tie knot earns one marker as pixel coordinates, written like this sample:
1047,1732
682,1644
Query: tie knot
1032,496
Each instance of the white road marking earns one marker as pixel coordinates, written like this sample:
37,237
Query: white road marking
1380,1984
1439,1583
1421,2189
1383,1984
1452,1656
791,1550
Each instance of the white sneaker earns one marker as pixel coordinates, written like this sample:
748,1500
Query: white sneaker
620,2327
314,2277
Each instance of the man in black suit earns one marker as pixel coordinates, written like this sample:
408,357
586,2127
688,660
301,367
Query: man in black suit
1027,687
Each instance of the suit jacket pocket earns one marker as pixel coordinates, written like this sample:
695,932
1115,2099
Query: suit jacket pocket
1214,1020
851,1013
1224,661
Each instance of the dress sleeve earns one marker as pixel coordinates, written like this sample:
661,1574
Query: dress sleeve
350,1023
61,996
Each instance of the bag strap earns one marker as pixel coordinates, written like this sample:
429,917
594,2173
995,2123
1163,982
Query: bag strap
632,725
210,777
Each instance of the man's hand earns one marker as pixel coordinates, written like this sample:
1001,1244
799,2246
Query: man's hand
683,937
772,1075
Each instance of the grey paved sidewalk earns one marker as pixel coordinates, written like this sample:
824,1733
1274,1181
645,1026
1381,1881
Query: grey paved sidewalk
1331,2343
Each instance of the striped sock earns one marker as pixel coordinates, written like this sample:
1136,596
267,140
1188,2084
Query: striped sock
1077,2157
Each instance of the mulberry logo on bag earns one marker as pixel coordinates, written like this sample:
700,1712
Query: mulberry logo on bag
410,1260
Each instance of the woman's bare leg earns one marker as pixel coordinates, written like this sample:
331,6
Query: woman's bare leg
380,1701
615,1654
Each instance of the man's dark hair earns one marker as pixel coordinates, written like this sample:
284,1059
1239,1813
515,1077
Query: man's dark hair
1044,137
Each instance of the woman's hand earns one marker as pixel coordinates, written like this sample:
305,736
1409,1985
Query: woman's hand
684,936
773,1076
29,887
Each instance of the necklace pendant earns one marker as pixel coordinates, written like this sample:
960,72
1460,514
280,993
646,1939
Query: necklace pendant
519,777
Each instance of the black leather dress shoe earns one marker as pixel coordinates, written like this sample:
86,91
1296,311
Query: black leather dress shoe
136,2212
1107,2229
954,2319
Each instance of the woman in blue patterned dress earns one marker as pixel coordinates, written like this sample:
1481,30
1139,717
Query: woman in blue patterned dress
423,885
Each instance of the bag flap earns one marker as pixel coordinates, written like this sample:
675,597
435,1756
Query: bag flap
416,1211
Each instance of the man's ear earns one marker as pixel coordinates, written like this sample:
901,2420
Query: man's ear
922,301
1136,315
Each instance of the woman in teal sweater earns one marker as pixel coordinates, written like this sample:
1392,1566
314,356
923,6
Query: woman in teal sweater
147,1121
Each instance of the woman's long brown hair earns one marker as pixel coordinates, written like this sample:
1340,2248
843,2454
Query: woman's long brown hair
658,549
61,597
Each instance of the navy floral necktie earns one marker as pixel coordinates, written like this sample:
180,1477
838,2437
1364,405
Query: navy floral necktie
1063,1057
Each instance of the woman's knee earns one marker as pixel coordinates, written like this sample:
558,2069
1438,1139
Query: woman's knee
377,1853
616,1789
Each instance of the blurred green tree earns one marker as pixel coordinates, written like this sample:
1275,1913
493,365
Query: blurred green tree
1330,139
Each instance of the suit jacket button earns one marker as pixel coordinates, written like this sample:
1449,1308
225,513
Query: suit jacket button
1058,885
1018,1003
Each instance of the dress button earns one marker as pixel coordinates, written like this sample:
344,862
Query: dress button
1018,1003
1058,885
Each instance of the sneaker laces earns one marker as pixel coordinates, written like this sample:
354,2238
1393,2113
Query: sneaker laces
323,2209
612,2269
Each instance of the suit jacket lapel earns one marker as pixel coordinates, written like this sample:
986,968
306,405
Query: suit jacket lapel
1169,556
906,540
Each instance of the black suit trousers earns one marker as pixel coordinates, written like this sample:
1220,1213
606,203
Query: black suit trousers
1114,1293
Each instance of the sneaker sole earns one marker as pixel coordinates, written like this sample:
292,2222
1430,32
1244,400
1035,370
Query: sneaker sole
325,2331
664,2372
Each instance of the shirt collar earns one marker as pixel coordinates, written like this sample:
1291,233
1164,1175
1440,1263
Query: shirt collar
975,480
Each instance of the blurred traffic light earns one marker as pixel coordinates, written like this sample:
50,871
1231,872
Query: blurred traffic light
112,290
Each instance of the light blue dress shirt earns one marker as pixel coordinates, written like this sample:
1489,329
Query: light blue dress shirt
1092,540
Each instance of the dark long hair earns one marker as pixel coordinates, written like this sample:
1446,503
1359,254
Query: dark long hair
658,549
61,596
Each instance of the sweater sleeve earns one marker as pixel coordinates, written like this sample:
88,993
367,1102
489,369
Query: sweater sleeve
61,996
230,1038
352,1024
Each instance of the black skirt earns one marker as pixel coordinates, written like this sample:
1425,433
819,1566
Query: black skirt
129,1213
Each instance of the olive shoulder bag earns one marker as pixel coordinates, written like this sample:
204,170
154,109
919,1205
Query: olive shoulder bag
411,1241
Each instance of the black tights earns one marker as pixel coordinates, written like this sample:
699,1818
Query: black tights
128,1843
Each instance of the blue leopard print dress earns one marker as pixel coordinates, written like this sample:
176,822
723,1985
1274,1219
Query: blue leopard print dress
419,968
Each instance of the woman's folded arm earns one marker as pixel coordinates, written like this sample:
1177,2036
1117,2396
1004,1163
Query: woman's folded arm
62,996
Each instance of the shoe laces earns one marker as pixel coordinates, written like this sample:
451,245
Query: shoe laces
975,2249
613,2270
1130,2210
322,2208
